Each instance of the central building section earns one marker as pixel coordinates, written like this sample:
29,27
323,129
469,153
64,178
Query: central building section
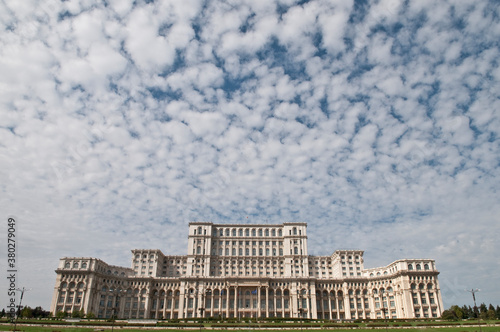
247,251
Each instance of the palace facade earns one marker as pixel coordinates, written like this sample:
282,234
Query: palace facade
242,270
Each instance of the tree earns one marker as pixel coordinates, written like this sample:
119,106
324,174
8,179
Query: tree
459,314
78,313
449,314
38,312
61,314
2,314
467,312
27,312
491,314
498,312
90,315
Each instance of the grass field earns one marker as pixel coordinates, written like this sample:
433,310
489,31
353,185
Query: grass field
78,329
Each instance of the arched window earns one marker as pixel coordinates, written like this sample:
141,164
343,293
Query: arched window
410,267
429,286
221,232
413,286
240,251
419,267
84,265
75,265
227,231
198,250
240,232
253,231
426,267
247,252
280,233
260,251
273,232
267,251
234,231
260,231
67,265
227,251
295,231
254,252
266,232
247,232
234,252
296,250
199,230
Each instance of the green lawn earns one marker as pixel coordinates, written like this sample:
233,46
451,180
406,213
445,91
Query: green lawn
74,329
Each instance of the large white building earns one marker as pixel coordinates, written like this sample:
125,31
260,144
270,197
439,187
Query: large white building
241,270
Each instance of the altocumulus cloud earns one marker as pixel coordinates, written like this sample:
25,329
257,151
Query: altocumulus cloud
374,121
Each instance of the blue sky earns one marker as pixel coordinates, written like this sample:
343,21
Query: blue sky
376,122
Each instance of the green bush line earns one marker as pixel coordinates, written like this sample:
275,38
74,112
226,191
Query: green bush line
262,323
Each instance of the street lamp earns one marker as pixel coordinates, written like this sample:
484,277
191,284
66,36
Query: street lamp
301,311
113,309
473,292
112,319
201,309
385,317
20,301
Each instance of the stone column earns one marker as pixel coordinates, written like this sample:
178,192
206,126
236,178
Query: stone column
227,302
236,309
258,301
267,302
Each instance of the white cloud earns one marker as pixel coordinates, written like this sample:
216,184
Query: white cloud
149,50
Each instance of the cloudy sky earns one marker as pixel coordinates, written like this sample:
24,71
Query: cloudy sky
376,122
